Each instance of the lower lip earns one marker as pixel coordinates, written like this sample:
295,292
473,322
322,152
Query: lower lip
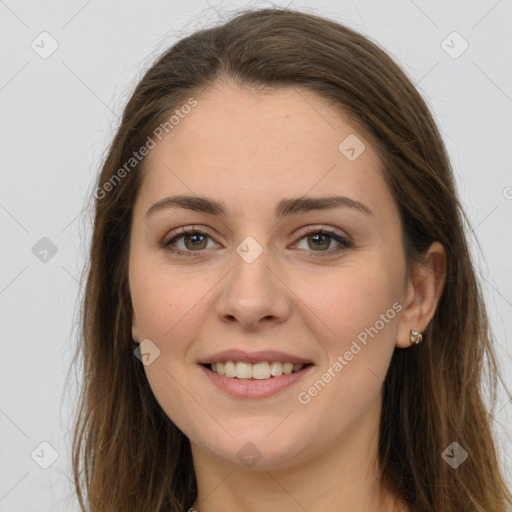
255,388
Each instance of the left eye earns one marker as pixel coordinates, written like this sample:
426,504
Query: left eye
320,238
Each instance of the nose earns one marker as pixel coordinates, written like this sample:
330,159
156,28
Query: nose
253,294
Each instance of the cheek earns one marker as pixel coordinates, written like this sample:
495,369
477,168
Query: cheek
162,298
359,307
359,310
352,299
167,304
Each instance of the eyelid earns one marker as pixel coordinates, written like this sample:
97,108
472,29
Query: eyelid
313,228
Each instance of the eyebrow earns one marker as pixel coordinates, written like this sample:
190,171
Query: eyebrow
284,208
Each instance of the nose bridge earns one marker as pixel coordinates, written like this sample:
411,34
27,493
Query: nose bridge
251,278
251,290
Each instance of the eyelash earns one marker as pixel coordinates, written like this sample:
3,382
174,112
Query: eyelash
331,233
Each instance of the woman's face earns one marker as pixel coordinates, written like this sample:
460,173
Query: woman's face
259,278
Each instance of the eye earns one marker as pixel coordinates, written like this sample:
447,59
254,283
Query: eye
192,234
317,239
320,239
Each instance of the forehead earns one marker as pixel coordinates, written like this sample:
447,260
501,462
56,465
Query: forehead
251,147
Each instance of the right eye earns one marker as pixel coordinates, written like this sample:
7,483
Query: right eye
187,233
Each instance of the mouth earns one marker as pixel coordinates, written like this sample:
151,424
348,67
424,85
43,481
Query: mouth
257,380
263,370
255,374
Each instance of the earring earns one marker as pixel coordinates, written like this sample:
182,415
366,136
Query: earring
415,336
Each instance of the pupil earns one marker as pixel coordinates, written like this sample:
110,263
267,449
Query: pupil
316,238
196,238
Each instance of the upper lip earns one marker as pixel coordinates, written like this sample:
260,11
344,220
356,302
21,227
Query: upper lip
253,357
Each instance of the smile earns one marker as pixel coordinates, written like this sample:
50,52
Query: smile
245,380
262,370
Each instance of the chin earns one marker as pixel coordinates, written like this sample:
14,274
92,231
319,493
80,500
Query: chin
262,449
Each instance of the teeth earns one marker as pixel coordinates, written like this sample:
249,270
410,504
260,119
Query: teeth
276,369
260,371
243,370
287,368
229,369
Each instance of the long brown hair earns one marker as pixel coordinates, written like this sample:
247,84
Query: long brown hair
127,454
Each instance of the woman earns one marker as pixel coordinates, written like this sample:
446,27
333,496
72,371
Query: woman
281,312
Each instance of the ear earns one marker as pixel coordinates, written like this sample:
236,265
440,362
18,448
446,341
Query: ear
135,329
424,290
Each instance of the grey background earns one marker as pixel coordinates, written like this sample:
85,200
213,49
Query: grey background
57,118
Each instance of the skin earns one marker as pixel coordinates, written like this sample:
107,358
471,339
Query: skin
255,150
